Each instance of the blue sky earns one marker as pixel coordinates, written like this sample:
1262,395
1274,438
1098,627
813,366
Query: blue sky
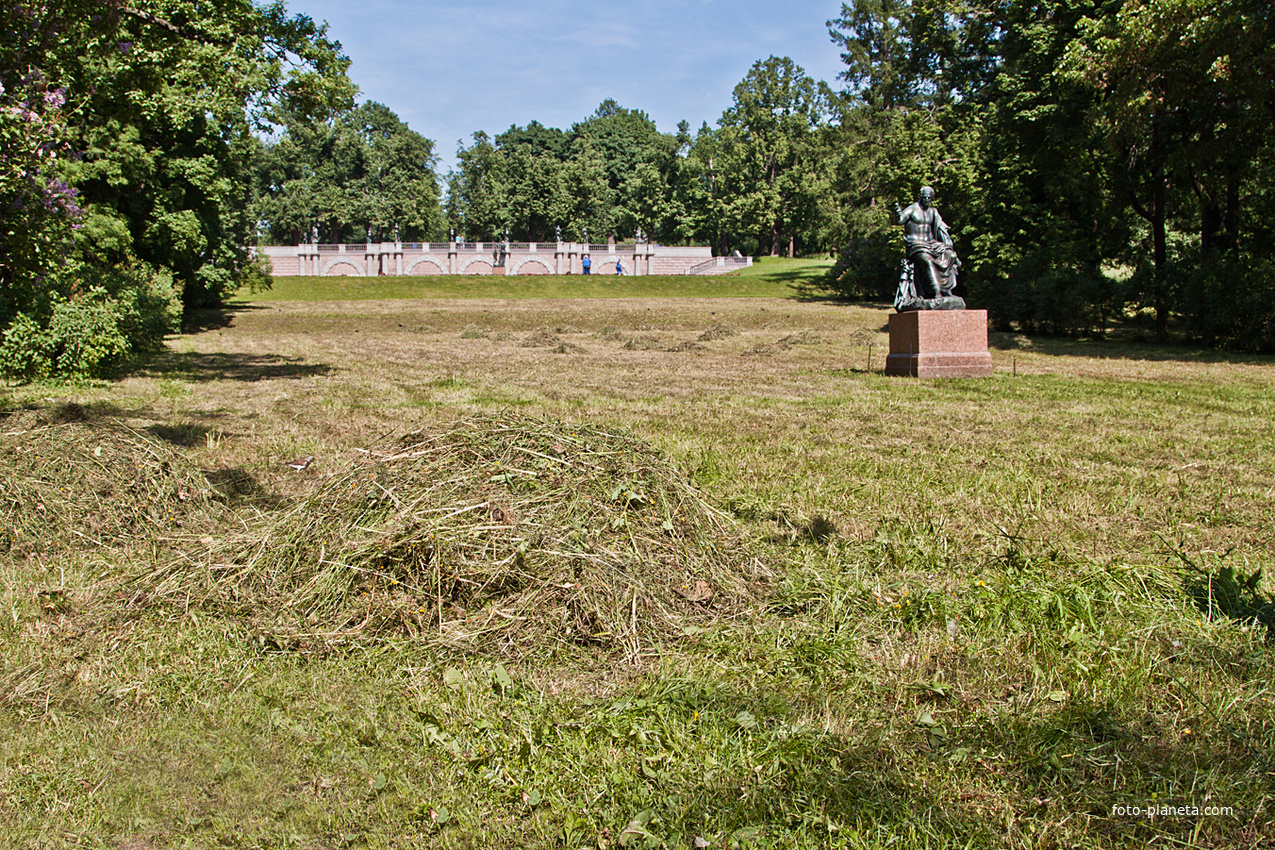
449,69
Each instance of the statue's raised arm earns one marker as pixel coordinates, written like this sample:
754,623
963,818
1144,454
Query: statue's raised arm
929,269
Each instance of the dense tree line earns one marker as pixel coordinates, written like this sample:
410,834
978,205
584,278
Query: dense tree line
757,182
1098,160
359,174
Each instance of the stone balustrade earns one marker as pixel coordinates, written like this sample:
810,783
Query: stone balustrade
525,258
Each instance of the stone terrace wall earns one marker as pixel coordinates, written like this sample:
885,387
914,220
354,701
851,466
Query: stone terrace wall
431,258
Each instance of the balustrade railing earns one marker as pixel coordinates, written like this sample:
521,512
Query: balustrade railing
315,258
719,263
537,247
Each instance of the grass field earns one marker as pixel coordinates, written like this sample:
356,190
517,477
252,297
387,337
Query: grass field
666,568
768,276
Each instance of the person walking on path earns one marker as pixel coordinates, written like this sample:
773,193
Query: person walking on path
619,269
586,262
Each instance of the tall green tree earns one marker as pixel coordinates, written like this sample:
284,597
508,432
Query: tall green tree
363,172
608,174
158,100
909,115
478,205
772,155
167,97
1048,215
1186,98
632,151
535,178
1095,156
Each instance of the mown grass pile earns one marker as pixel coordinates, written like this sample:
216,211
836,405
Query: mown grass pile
499,534
80,479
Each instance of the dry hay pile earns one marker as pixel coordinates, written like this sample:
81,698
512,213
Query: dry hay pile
542,338
502,534
644,342
79,481
806,337
716,332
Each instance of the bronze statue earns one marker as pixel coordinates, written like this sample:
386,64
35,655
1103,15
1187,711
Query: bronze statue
929,270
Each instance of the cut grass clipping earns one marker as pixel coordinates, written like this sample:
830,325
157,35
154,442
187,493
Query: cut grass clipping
503,535
80,481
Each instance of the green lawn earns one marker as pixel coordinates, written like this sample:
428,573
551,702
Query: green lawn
772,277
635,573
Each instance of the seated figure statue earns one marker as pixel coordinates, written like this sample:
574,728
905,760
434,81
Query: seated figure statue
929,270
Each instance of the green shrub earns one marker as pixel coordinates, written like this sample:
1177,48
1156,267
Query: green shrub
108,315
149,303
868,268
88,340
82,339
25,350
1230,301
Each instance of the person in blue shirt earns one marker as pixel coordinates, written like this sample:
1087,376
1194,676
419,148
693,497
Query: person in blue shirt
619,269
586,262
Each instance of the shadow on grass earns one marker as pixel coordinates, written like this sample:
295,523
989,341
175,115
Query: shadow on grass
1115,347
236,485
228,367
1091,763
214,318
185,435
817,293
1061,773
30,414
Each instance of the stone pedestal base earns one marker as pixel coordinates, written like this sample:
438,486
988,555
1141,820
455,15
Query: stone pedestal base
939,344
498,270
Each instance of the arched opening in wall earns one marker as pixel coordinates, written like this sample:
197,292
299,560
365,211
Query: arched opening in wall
478,267
343,270
425,267
533,267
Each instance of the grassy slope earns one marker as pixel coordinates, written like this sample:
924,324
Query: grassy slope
769,276
977,630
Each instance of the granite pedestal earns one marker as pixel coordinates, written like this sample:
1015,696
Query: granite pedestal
939,344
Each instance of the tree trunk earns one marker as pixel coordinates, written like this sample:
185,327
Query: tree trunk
1210,224
1231,212
1155,216
1159,255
